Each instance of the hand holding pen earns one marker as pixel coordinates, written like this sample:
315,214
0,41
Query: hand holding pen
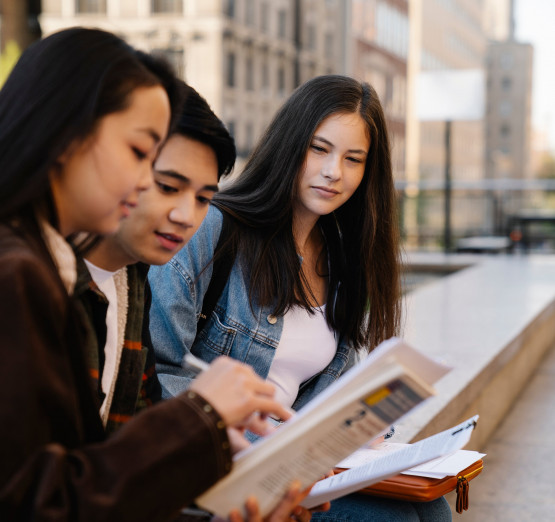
236,393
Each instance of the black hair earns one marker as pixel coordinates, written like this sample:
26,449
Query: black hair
56,94
198,121
362,239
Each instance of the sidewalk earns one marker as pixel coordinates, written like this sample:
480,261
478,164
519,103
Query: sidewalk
518,481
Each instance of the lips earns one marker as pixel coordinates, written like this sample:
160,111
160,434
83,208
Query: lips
126,207
325,192
169,241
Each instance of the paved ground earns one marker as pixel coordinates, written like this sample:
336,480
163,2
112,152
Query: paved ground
518,481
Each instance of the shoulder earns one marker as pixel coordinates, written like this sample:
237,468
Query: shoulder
27,274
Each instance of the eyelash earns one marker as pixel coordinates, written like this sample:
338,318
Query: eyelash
317,148
167,189
139,153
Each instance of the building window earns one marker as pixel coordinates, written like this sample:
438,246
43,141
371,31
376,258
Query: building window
91,6
281,81
310,37
249,12
329,45
264,17
249,137
230,72
166,6
265,80
282,23
505,130
229,8
249,75
505,108
507,61
231,128
175,57
506,83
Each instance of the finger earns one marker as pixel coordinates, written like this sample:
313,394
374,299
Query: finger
255,424
322,507
253,513
235,516
272,408
286,506
302,514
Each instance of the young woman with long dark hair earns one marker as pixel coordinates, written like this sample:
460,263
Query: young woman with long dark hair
311,229
82,116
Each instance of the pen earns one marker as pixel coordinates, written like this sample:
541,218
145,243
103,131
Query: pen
190,361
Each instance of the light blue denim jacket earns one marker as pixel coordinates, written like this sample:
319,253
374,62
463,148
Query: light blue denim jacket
233,329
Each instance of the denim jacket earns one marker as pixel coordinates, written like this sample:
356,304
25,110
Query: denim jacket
250,335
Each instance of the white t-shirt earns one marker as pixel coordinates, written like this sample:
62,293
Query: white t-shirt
105,281
306,347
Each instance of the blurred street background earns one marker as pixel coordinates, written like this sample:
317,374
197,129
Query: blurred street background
480,181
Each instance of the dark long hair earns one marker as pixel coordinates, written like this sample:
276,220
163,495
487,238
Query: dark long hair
362,239
198,122
55,95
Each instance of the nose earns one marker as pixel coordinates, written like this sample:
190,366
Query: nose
331,169
184,213
145,179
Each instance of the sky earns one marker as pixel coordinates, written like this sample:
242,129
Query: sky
535,24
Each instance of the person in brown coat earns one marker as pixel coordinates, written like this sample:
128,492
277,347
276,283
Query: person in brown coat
82,116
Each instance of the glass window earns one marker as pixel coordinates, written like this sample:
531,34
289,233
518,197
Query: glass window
329,45
505,108
264,16
505,130
166,6
91,6
249,12
506,83
282,23
249,136
230,72
310,37
507,61
265,76
281,81
229,8
249,73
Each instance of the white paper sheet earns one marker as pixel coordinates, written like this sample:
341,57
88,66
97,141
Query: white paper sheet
391,463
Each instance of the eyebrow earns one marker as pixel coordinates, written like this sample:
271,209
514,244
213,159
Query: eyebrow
180,177
152,133
357,151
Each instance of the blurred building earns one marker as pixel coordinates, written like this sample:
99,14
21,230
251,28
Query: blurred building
244,56
444,35
508,120
379,40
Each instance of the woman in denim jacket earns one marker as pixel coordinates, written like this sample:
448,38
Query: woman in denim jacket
311,226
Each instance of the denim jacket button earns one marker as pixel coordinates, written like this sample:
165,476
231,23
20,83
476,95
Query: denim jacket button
272,319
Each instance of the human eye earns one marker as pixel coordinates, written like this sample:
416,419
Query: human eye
165,188
353,159
141,155
317,148
204,200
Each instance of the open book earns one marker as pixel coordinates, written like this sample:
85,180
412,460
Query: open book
359,406
376,465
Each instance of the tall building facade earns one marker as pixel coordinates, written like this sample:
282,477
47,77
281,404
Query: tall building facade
444,35
244,56
508,120
378,54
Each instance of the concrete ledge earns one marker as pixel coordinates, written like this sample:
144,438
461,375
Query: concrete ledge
493,322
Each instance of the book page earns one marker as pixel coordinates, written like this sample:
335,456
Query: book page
362,403
390,463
